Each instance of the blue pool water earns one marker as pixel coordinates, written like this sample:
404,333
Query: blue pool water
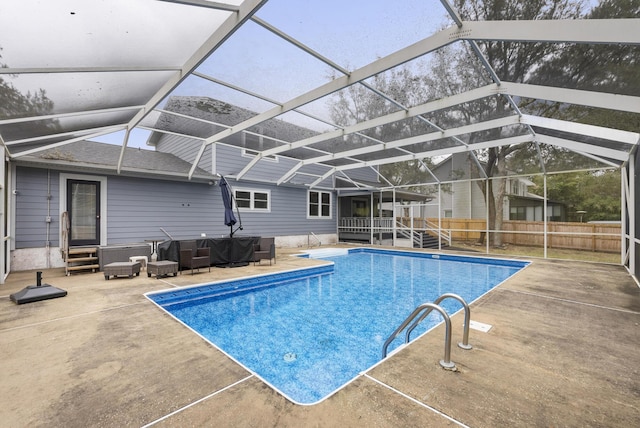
309,332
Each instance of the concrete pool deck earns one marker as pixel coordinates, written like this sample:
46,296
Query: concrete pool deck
563,350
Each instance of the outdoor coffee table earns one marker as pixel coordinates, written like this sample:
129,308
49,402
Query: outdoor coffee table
162,268
121,269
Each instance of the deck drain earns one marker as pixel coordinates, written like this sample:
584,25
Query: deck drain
290,357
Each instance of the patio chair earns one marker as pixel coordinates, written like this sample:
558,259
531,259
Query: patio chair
264,249
192,257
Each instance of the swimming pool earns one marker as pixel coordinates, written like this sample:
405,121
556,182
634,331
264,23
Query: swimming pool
309,332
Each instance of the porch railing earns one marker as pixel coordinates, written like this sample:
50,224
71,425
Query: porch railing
414,231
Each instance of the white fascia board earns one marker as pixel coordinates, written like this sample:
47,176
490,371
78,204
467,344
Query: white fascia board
625,137
583,147
604,100
592,31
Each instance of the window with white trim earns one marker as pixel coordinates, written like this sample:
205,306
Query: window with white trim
253,200
319,204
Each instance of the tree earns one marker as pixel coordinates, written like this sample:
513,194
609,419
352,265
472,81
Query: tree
357,103
600,68
16,105
595,192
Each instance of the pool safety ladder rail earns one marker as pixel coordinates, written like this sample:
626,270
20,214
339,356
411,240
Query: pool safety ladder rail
420,313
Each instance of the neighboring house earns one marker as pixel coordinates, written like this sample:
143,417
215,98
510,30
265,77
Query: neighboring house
465,199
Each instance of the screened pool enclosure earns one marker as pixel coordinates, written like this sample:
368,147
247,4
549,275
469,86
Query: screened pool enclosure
470,107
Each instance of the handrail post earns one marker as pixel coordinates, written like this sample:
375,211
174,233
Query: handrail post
446,361
467,318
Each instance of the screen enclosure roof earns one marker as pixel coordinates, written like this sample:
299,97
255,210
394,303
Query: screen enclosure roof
75,70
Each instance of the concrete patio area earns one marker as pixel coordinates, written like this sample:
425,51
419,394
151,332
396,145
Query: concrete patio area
563,350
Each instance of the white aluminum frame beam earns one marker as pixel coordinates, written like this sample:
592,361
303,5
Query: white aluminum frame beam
83,134
64,115
603,100
591,31
98,132
429,44
583,147
205,3
601,132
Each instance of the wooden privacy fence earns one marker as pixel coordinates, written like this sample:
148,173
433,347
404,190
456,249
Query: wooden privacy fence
603,237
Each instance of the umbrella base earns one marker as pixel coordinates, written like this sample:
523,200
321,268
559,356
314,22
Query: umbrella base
35,293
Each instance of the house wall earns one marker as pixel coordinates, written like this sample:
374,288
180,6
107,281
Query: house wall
138,207
33,206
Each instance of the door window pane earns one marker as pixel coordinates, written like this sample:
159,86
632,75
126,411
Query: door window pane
83,211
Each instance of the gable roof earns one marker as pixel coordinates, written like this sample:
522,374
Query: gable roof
96,157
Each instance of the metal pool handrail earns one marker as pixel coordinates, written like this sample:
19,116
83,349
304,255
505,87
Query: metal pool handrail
446,362
467,319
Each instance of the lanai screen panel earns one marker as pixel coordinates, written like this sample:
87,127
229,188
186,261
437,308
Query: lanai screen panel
92,61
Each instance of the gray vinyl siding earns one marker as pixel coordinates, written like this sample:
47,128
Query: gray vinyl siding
33,206
138,207
288,215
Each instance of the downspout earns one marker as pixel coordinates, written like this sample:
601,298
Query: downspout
544,217
48,220
5,226
371,237
393,213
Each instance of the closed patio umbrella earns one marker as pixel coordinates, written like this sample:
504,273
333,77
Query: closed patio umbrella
227,200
